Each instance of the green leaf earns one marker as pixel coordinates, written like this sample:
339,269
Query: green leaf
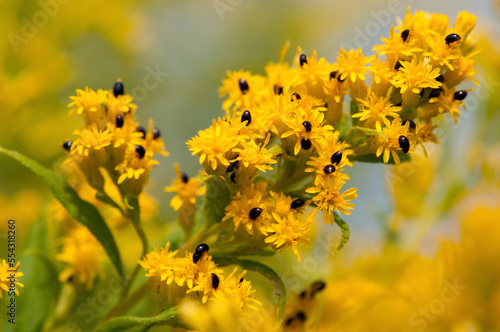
168,317
217,197
266,271
80,210
346,233
372,158
36,301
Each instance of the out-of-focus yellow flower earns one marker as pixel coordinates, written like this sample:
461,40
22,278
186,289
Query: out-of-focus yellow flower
9,276
244,90
187,189
84,254
224,314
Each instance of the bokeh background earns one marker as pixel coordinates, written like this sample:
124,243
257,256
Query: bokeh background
172,56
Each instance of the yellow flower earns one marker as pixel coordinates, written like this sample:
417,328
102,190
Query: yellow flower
176,276
329,165
187,190
375,110
352,67
228,286
119,105
413,76
352,64
279,77
6,272
290,231
84,255
153,142
91,139
281,204
249,208
311,76
441,53
382,73
225,314
89,104
244,90
307,125
215,144
135,169
463,70
444,103
464,23
257,122
396,48
329,199
388,141
252,157
238,289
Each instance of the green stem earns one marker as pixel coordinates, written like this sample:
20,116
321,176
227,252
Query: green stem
134,213
140,231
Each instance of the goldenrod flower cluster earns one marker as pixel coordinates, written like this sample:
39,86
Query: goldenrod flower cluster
112,140
281,128
83,254
198,276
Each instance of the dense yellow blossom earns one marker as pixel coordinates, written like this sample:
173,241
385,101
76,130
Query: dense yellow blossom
84,255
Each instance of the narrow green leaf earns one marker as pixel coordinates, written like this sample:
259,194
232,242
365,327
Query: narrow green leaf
80,210
372,158
36,301
346,233
266,271
168,317
217,197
